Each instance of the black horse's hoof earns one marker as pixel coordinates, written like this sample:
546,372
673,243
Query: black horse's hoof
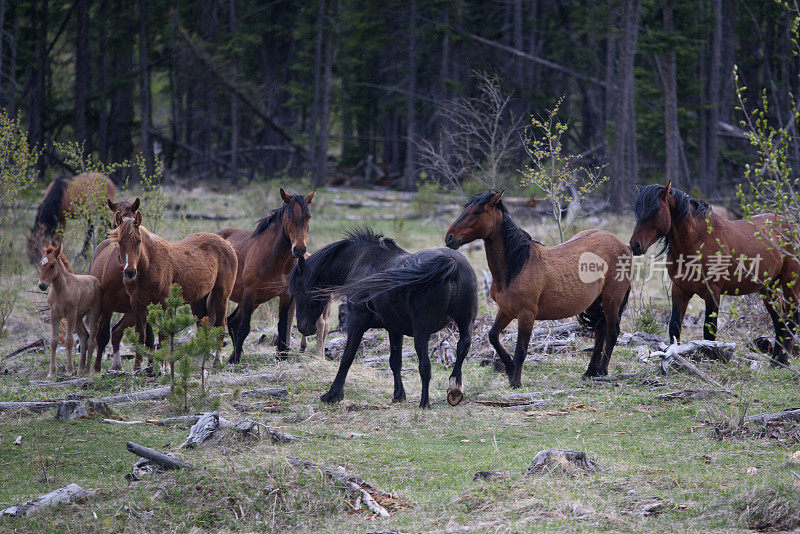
592,373
515,384
399,397
425,405
331,397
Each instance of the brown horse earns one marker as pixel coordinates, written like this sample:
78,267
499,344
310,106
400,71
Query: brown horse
266,256
108,269
72,298
64,198
586,276
203,264
708,255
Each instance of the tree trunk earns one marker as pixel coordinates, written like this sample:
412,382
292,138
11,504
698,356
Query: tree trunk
11,95
409,170
321,157
316,105
519,68
714,98
3,79
39,87
83,75
624,169
672,163
102,80
234,108
144,88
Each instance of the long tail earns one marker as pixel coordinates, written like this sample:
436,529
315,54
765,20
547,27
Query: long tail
418,275
594,318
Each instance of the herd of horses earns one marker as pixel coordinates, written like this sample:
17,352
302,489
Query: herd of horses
407,294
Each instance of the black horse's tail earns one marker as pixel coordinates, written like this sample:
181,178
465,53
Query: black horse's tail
50,208
418,275
594,318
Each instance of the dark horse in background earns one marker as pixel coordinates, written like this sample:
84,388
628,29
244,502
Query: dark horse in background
64,198
725,252
266,255
386,287
532,282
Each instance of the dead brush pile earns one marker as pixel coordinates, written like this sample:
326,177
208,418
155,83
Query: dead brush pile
769,508
733,424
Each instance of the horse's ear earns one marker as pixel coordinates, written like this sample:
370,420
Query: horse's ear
44,249
637,185
135,205
57,251
111,205
496,199
665,191
310,197
117,219
137,218
286,198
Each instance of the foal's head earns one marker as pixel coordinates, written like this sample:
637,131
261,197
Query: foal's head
482,214
122,210
653,217
128,237
50,265
295,220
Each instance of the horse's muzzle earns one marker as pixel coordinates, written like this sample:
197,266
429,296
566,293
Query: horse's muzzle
298,252
637,249
43,286
452,242
129,274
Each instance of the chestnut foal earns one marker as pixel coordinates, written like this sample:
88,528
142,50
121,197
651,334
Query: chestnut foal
72,297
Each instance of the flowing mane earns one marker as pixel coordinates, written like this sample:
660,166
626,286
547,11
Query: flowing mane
276,214
648,203
516,241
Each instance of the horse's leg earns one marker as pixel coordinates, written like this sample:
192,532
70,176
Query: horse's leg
69,341
54,324
396,364
217,308
233,326
611,317
596,363
712,311
455,392
103,335
354,334
83,337
117,331
781,332
421,346
323,327
200,310
501,321
524,328
680,300
284,323
140,322
244,313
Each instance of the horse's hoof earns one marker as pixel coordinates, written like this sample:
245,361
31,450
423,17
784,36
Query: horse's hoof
515,385
331,398
425,405
401,397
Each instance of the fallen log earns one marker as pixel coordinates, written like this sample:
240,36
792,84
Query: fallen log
25,348
674,354
188,419
71,410
149,394
553,345
695,394
67,494
202,430
156,457
367,492
262,377
792,414
267,392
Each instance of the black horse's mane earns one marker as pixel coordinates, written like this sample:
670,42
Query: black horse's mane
516,240
307,272
277,213
648,203
50,208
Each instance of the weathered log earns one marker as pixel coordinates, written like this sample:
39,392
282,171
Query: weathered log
34,406
202,430
348,482
267,392
39,343
548,460
792,414
149,394
69,493
674,354
262,377
642,338
98,407
695,394
158,458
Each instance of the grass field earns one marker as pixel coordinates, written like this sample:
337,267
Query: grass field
669,465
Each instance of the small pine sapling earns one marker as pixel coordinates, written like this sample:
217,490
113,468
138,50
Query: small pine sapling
207,340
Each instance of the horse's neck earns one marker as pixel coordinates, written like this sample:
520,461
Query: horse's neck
496,257
281,244
62,278
683,236
149,243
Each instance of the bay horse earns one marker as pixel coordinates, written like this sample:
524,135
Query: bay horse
72,297
266,256
386,287
64,198
709,255
107,268
203,264
588,276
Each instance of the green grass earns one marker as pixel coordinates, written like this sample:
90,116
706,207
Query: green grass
654,451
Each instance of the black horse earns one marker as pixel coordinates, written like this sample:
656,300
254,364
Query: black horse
386,287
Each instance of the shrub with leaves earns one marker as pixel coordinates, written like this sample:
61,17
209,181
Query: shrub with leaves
566,180
772,185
